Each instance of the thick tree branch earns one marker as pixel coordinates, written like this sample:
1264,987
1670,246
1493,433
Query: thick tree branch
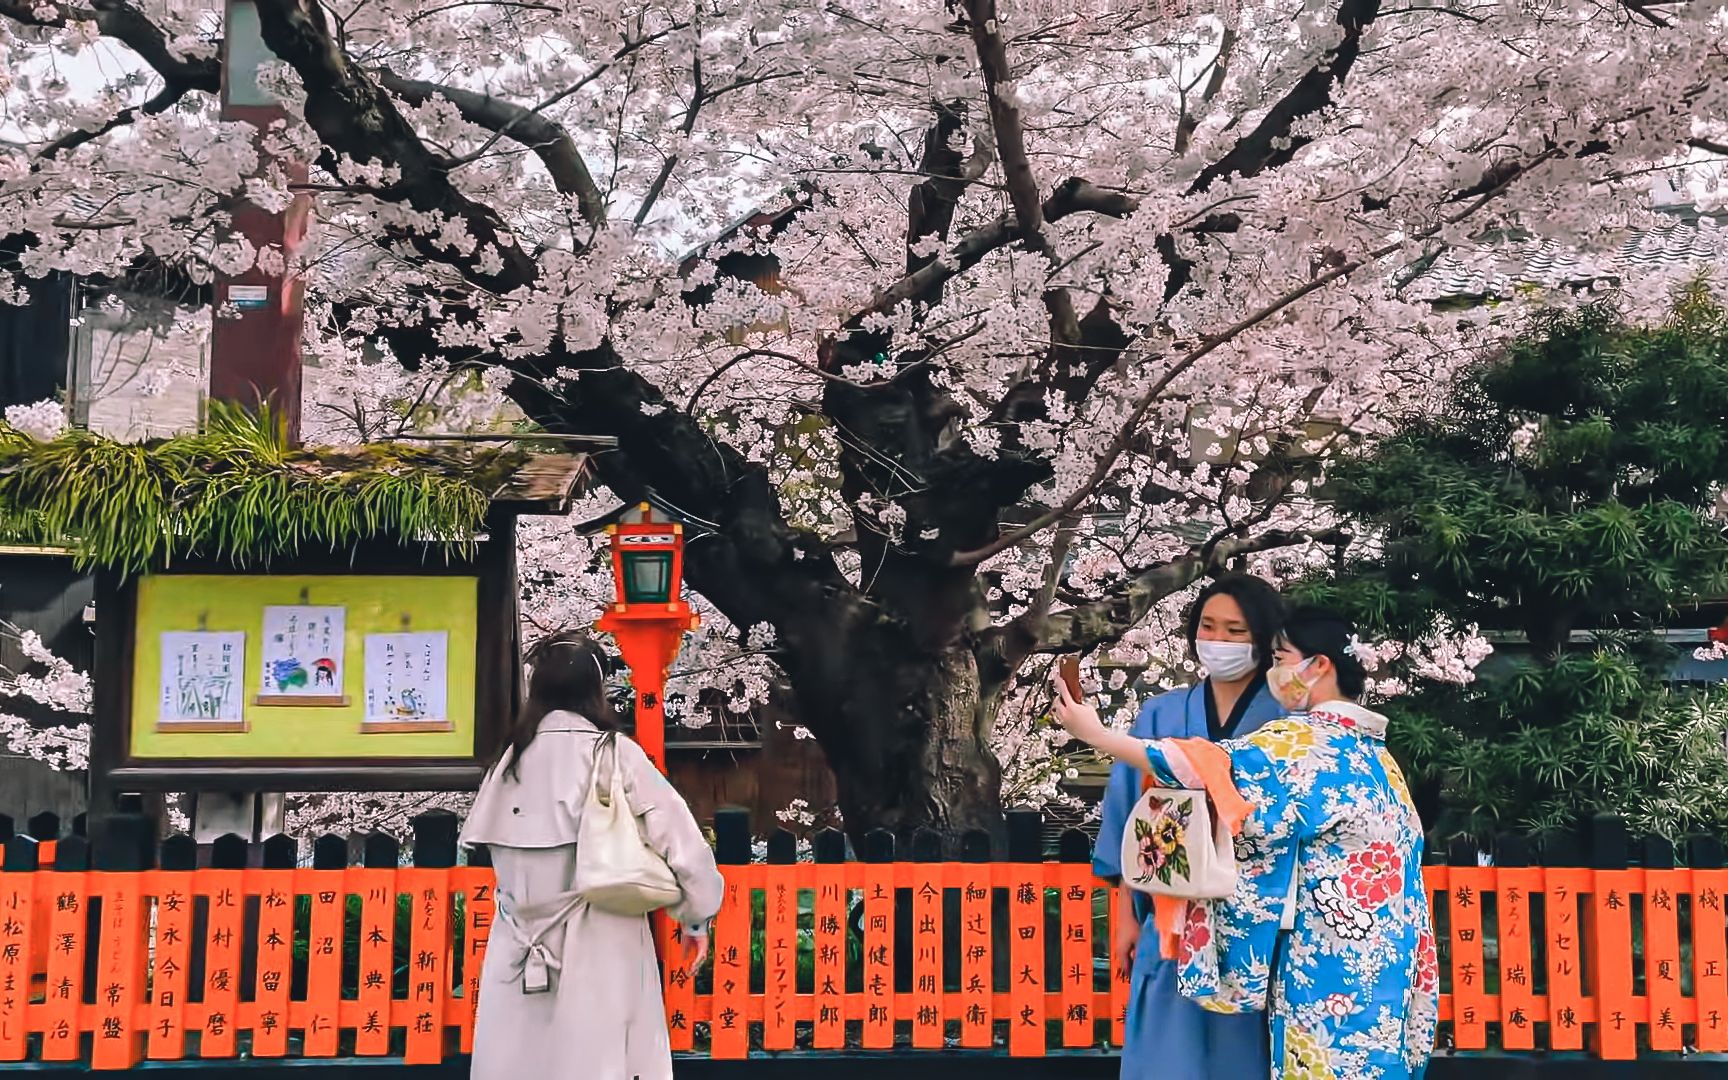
982,19
1189,122
548,139
1075,196
1023,188
1270,144
126,24
353,116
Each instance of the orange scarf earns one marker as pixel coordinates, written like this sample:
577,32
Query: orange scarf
1211,763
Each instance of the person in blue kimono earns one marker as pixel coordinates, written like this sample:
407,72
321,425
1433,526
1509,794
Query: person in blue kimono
1328,929
1230,628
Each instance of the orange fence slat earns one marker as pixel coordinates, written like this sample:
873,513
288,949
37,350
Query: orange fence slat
1076,959
1518,1014
1710,958
118,1041
1662,890
429,976
779,956
172,973
927,944
328,894
1611,955
1026,960
478,911
224,891
1566,1011
729,1025
377,888
829,969
275,967
977,973
677,983
1121,980
1470,1014
63,1003
878,956
18,934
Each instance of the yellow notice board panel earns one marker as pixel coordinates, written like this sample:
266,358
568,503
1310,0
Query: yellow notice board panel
309,667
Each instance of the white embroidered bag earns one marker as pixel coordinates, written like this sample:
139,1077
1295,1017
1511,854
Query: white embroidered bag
616,871
1172,845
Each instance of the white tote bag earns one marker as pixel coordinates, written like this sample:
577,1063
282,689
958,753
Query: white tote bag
1172,845
616,871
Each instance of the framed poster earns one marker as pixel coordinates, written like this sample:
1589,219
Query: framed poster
408,709
200,680
407,682
301,652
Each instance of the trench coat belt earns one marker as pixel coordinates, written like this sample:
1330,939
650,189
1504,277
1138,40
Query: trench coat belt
529,925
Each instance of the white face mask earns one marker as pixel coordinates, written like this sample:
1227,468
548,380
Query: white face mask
1226,660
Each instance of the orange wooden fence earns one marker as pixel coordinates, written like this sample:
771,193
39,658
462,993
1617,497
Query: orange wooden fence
112,955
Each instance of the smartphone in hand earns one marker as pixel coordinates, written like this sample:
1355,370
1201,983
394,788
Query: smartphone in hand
1069,669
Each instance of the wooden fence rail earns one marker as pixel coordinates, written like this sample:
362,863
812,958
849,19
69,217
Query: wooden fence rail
117,951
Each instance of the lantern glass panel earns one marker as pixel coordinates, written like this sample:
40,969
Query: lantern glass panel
647,577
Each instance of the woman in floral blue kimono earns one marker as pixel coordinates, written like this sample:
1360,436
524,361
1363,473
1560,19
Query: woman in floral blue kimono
1328,929
1230,629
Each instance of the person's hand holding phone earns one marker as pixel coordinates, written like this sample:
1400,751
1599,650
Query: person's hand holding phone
1076,717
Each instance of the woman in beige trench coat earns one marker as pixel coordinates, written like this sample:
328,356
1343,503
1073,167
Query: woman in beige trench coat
566,990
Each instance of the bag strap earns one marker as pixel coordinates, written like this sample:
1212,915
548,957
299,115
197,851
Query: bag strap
603,790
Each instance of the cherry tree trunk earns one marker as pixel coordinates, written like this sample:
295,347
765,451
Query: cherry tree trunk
904,729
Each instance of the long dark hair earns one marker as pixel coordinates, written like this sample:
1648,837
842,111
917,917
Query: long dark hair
1262,608
566,674
1317,632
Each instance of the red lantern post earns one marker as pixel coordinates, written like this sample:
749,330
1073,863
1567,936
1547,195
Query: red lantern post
649,618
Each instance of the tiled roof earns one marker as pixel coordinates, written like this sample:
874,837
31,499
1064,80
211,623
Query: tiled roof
1497,270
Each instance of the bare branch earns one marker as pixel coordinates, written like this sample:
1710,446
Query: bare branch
1189,121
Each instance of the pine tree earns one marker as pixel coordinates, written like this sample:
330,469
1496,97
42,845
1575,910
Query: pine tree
1570,489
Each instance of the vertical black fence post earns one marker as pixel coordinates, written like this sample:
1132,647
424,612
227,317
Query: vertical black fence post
435,835
1610,844
72,855
330,852
44,826
21,858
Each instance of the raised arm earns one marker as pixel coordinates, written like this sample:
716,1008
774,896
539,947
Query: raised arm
671,830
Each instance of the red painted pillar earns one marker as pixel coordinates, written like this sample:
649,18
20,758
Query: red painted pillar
255,344
649,642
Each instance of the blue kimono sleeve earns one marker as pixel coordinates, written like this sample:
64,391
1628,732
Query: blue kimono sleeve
1227,959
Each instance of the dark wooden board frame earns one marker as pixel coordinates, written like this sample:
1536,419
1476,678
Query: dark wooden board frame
497,684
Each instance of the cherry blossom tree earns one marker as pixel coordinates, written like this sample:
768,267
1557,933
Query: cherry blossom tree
1074,304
